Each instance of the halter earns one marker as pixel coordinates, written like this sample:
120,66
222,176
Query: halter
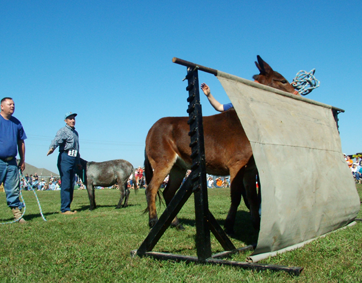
304,82
295,92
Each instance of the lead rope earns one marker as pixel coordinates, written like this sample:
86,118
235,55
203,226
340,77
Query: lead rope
36,196
22,199
305,82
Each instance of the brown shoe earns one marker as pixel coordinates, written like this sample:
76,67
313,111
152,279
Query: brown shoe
18,215
68,212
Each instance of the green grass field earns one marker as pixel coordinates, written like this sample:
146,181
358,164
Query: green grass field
95,246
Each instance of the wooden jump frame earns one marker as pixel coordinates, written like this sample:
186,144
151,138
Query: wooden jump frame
196,183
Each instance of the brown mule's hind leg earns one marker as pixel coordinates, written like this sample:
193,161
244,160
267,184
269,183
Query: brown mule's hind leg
161,170
236,191
175,179
252,193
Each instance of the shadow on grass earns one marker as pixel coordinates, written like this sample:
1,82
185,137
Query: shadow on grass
244,231
32,216
243,227
86,207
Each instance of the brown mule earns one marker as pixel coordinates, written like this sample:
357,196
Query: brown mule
227,152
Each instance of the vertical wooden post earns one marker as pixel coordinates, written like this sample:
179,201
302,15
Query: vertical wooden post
196,133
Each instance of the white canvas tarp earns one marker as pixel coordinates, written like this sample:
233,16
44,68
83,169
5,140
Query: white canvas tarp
307,188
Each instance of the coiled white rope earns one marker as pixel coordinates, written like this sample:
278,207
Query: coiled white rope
304,82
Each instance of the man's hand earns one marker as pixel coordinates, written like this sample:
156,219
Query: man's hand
205,88
50,151
22,165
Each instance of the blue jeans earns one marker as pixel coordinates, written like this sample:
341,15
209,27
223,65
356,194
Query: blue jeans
9,175
357,175
66,166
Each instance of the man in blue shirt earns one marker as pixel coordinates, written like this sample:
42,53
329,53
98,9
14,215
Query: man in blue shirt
12,136
216,104
68,141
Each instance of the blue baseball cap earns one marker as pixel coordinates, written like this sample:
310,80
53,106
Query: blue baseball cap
68,114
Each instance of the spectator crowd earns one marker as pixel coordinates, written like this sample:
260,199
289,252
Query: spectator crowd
44,183
355,166
51,183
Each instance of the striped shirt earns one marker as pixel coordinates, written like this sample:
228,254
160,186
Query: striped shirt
66,138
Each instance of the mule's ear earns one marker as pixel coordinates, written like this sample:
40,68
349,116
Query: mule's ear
257,65
263,66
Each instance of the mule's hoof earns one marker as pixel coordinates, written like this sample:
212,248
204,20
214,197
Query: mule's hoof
152,222
179,227
117,207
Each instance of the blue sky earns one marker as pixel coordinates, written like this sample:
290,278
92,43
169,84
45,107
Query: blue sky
111,62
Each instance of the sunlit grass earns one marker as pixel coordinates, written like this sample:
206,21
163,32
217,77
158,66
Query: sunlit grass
95,246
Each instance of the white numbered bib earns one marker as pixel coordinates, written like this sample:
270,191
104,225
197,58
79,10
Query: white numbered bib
72,152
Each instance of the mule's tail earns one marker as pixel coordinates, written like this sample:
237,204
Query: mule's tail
148,170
